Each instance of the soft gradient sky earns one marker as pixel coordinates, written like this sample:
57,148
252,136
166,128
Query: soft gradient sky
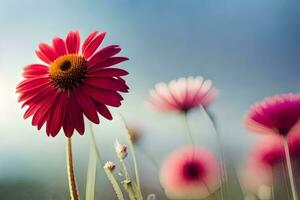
250,49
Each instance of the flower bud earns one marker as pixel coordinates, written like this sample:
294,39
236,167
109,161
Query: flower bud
109,166
121,150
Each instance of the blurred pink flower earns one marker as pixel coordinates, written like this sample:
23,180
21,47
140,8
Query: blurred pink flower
182,94
276,115
190,173
267,155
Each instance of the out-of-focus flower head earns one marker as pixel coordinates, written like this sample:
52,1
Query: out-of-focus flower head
182,95
188,171
276,115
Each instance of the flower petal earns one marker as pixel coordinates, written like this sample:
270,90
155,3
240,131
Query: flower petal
73,42
106,72
87,106
103,110
103,54
74,117
59,46
57,114
42,57
88,40
93,45
107,83
30,84
48,51
35,70
107,97
108,62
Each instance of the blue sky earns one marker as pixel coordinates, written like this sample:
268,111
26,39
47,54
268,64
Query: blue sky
250,49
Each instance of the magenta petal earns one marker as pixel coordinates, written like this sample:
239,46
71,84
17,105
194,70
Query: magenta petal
88,107
48,51
93,45
107,97
109,62
42,113
35,67
103,110
30,84
73,42
56,115
43,57
77,115
74,117
59,46
106,72
103,54
88,40
39,95
108,84
35,70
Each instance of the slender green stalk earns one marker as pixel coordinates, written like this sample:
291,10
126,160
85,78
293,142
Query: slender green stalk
132,153
149,157
71,175
221,152
91,175
114,184
94,144
209,192
125,169
284,171
189,131
127,184
289,168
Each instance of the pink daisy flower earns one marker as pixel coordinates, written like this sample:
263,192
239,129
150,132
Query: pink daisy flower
74,81
182,94
278,114
190,173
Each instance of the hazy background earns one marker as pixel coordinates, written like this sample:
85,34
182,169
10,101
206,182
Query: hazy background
250,49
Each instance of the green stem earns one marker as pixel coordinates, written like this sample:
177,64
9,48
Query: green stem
71,175
127,184
189,131
94,144
133,154
289,168
91,175
114,184
125,169
221,152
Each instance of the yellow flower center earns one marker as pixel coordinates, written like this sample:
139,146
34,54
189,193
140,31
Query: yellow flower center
68,71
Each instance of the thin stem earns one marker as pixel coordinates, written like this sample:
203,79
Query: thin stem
284,170
221,152
149,156
189,131
91,175
125,169
133,153
71,175
208,191
94,144
127,184
289,168
114,184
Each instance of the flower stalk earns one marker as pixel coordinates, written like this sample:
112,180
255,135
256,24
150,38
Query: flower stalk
289,168
71,175
108,168
221,148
